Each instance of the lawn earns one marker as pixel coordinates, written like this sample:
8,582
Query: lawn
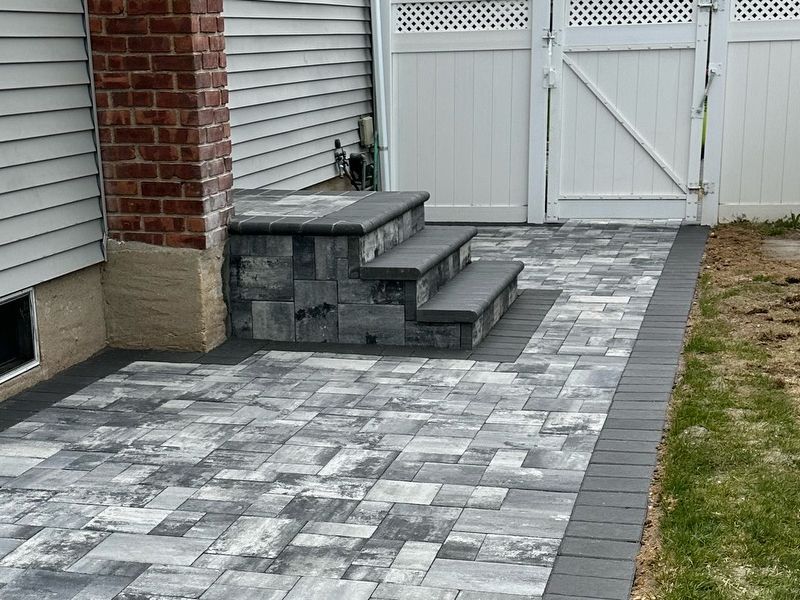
726,517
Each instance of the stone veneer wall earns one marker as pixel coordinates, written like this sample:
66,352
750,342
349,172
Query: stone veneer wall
302,288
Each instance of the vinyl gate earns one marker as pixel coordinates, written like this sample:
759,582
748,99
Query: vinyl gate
507,112
625,138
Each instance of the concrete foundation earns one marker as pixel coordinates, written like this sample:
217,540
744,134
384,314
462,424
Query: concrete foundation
164,298
71,326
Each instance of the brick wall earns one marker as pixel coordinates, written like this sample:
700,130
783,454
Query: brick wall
160,78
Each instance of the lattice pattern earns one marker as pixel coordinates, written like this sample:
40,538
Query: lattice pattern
767,10
588,13
431,17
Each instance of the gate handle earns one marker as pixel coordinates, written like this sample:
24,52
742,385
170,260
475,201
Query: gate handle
713,72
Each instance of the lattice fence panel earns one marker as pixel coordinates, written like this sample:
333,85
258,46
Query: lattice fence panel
767,10
589,13
431,17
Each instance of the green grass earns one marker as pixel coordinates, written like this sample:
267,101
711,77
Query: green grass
730,525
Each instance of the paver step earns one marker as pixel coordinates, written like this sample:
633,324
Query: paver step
419,254
470,293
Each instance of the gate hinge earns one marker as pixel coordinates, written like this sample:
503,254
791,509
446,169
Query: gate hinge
702,189
710,4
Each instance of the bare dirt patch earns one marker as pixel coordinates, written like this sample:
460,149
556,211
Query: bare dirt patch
756,292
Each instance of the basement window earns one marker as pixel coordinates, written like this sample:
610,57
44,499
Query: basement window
19,348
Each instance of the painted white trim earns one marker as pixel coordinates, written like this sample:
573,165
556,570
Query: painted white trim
680,34
633,208
476,214
385,24
763,31
712,161
381,104
694,175
624,197
537,144
759,212
98,155
559,18
629,48
30,292
461,41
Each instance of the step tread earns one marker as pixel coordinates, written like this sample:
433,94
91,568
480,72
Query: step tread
464,298
282,212
418,254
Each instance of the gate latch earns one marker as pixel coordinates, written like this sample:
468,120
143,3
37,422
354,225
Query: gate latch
550,76
710,4
714,71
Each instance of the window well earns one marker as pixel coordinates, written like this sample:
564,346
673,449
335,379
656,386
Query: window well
18,345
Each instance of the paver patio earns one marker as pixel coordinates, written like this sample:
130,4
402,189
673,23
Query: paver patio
314,476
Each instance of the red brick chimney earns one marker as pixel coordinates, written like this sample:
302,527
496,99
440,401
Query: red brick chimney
160,79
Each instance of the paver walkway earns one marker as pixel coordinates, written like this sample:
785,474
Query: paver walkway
316,476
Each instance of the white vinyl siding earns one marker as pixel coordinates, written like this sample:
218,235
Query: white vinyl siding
51,220
299,75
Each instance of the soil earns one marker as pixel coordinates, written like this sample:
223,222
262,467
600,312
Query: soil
764,309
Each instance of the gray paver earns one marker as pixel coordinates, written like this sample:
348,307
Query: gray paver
324,475
487,577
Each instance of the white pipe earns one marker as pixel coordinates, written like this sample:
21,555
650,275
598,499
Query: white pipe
381,105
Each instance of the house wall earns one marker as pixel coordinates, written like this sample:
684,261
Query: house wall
299,76
51,219
71,326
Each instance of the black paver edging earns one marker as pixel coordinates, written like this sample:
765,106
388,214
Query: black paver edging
597,557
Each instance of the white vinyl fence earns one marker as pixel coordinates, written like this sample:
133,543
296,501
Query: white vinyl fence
506,110
753,152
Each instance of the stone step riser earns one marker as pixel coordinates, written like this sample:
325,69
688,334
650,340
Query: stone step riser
303,283
279,283
423,289
371,245
473,333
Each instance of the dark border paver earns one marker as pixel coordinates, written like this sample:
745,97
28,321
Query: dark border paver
596,559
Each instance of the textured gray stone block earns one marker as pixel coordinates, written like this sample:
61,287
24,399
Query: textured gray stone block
356,291
273,321
241,319
261,278
327,251
371,324
446,335
304,257
261,245
315,313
